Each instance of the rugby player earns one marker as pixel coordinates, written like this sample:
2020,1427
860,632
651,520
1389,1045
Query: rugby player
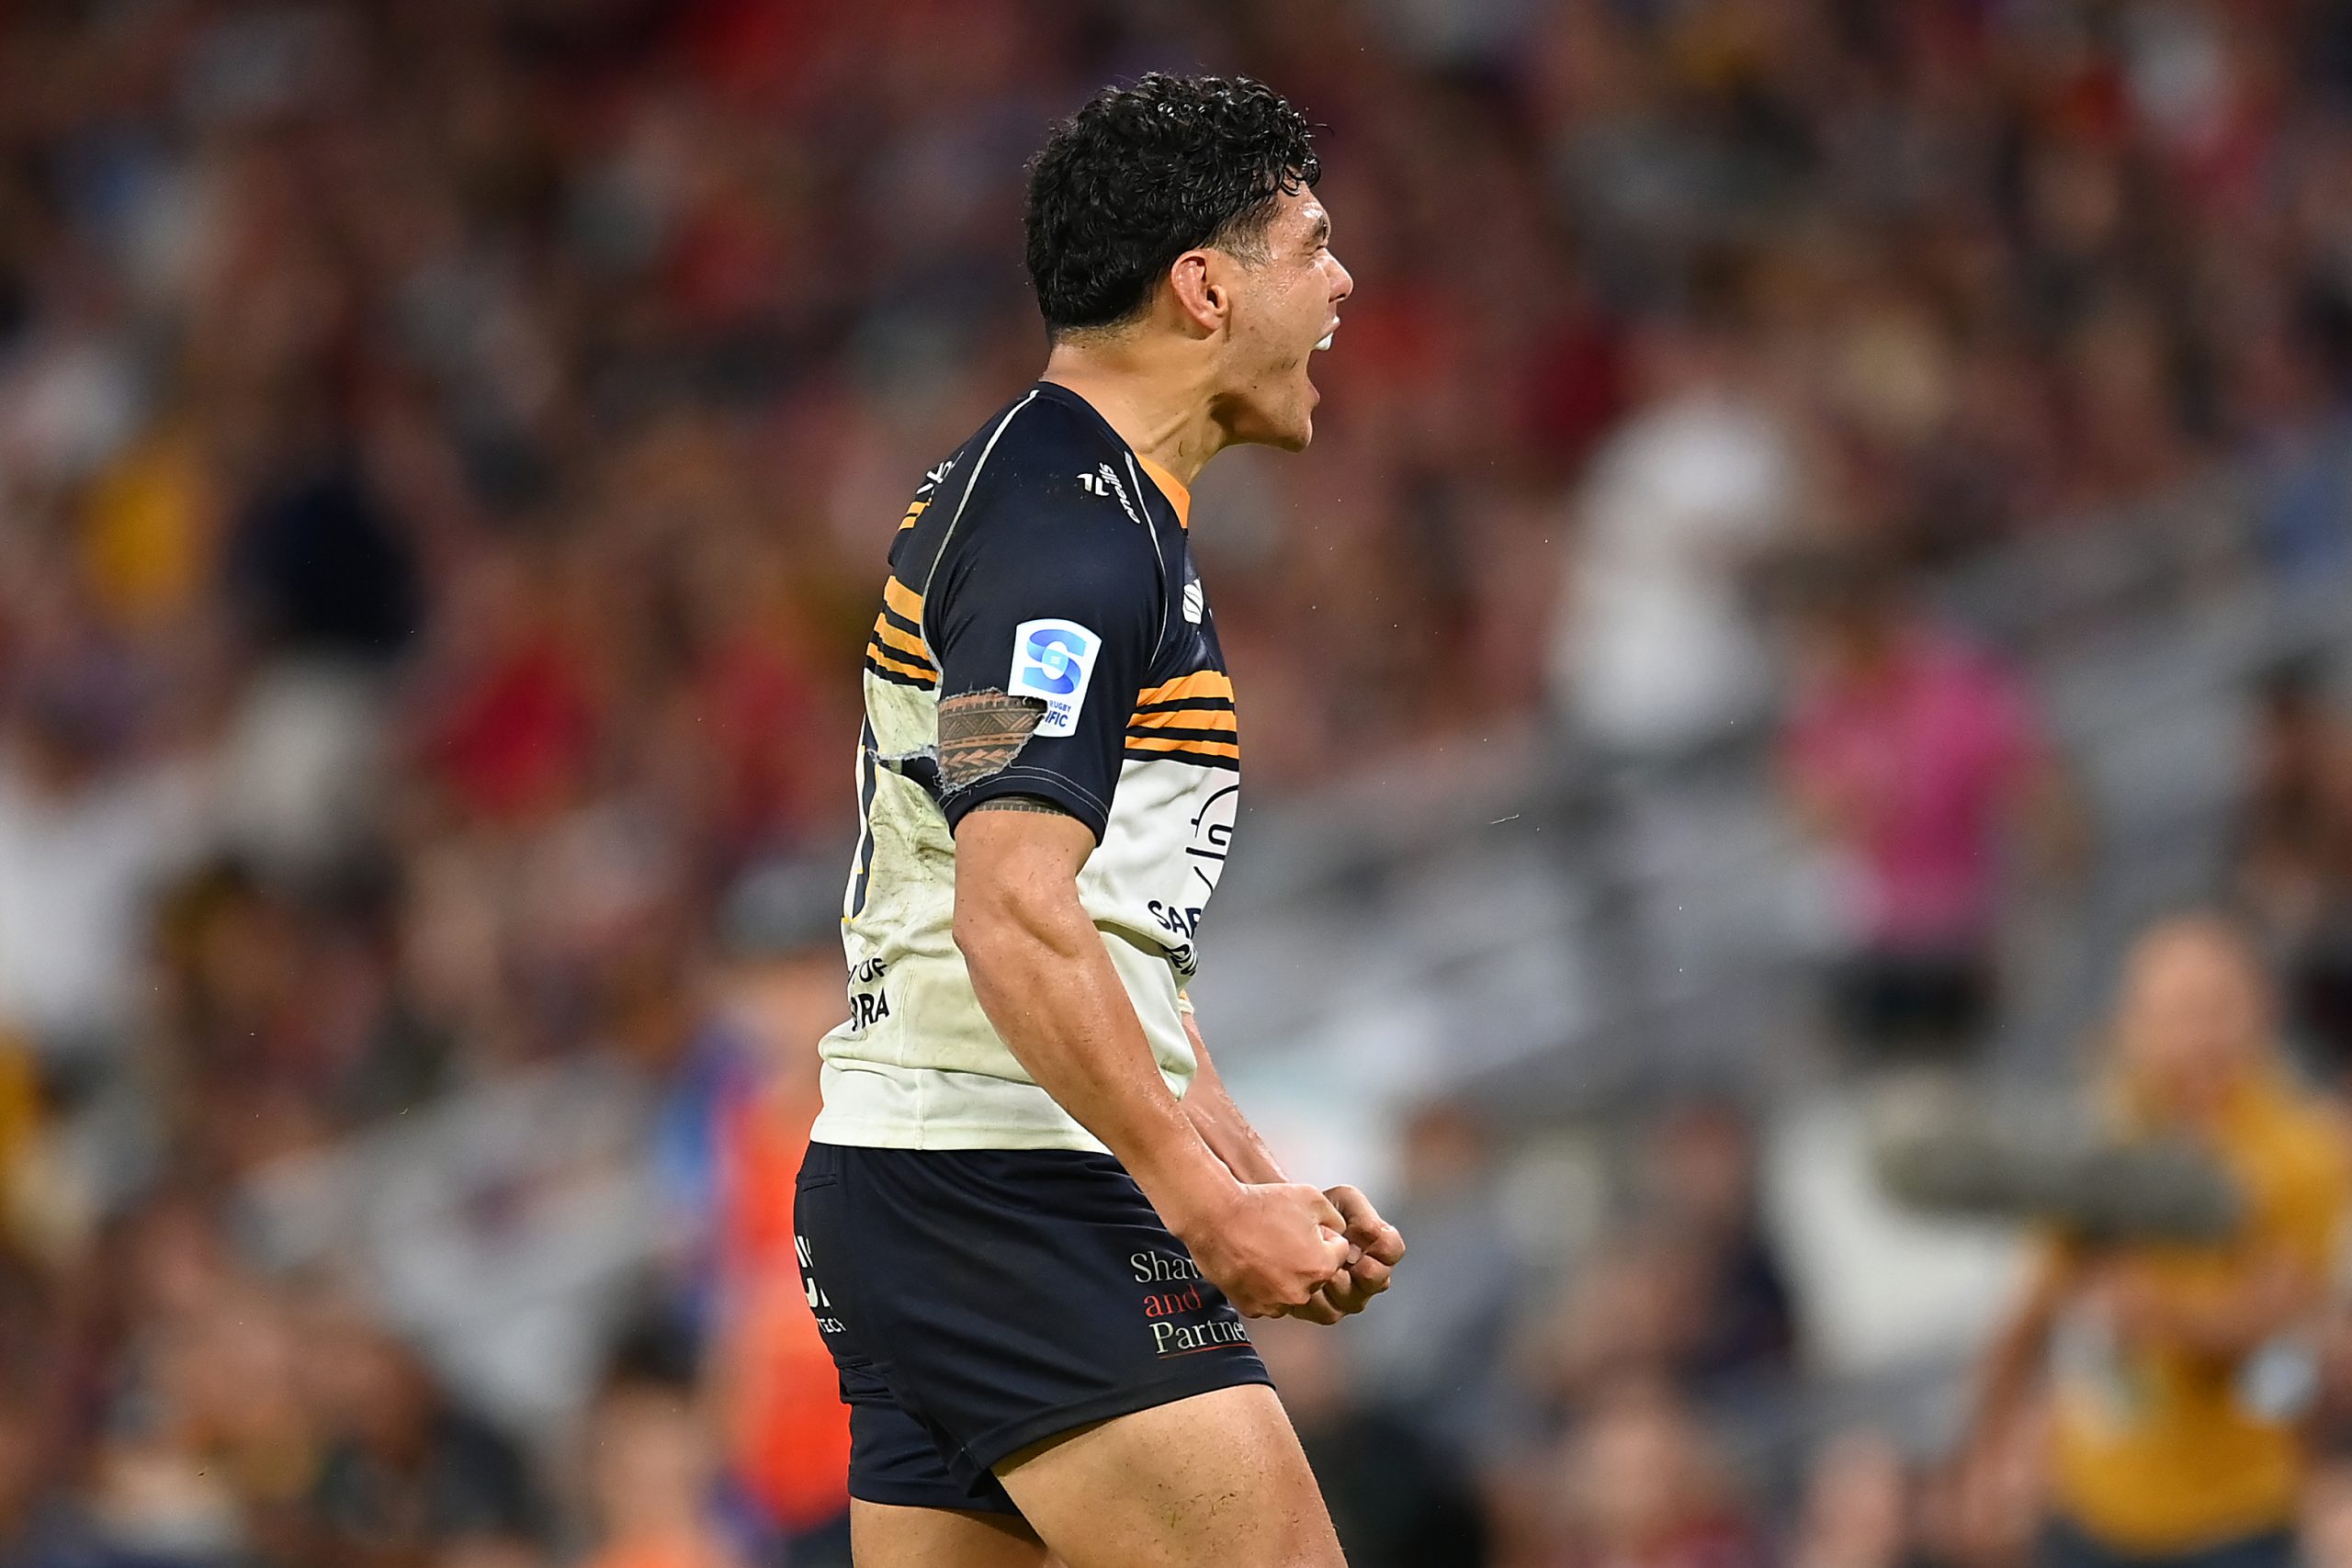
1031,1220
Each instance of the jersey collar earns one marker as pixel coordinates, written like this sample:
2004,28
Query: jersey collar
1172,488
1179,497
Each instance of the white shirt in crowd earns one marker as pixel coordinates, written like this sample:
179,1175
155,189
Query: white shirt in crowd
77,875
1655,651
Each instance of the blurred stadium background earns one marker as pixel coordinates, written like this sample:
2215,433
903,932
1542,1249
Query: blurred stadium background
446,450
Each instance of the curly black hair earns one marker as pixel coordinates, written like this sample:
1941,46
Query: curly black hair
1143,173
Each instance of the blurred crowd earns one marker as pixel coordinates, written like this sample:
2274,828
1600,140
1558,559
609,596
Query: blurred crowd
446,452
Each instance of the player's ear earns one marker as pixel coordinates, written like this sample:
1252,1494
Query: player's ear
1203,301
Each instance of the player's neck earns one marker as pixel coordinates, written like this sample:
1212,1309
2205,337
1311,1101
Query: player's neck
1162,407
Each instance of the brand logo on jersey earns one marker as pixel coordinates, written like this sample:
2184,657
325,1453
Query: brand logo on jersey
1196,602
1104,481
869,1004
818,1302
1213,835
1054,660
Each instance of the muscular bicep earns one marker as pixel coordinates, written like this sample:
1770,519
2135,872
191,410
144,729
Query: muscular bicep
1017,860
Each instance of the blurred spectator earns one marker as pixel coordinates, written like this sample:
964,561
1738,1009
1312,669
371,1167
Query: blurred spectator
1857,1511
652,1475
2298,806
1658,651
2184,1373
1917,762
404,1474
1634,1308
2324,1533
731,1141
1702,1184
1640,1486
2294,855
1435,1346
42,1524
1690,1290
1397,1499
89,831
209,1444
1865,1505
1988,1508
446,452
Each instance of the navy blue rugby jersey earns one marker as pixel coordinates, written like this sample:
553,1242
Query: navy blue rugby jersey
1045,559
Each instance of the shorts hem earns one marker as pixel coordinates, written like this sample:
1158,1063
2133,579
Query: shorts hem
994,1447
916,1495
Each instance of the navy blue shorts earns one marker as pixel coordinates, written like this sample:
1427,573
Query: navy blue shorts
977,1301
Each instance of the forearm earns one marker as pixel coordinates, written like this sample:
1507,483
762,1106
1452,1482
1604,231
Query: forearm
2009,1378
2011,1371
1219,1120
1043,978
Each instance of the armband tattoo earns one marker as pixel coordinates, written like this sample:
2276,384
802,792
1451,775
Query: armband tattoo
981,732
1018,803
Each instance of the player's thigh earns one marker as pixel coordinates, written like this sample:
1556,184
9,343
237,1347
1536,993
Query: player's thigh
883,1535
1217,1478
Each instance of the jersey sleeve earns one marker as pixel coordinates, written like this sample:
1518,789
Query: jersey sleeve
1062,602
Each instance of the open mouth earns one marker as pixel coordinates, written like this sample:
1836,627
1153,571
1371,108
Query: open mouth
1325,341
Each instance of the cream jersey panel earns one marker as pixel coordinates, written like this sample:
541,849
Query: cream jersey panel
1044,518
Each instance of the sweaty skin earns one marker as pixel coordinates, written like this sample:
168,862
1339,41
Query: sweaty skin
1219,356
1046,984
1374,1247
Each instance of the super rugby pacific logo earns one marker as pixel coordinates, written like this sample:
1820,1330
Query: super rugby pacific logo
1053,660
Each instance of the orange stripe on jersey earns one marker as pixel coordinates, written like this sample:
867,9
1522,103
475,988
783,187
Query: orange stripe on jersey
1202,748
1199,684
917,510
1186,718
891,637
903,599
889,660
1174,489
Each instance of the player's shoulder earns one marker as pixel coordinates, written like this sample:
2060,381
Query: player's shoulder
1046,476
1048,422
1044,424
1049,451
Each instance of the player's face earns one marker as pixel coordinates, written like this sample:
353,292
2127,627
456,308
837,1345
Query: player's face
1284,310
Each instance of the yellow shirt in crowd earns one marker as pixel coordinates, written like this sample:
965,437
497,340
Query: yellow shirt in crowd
2158,1448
